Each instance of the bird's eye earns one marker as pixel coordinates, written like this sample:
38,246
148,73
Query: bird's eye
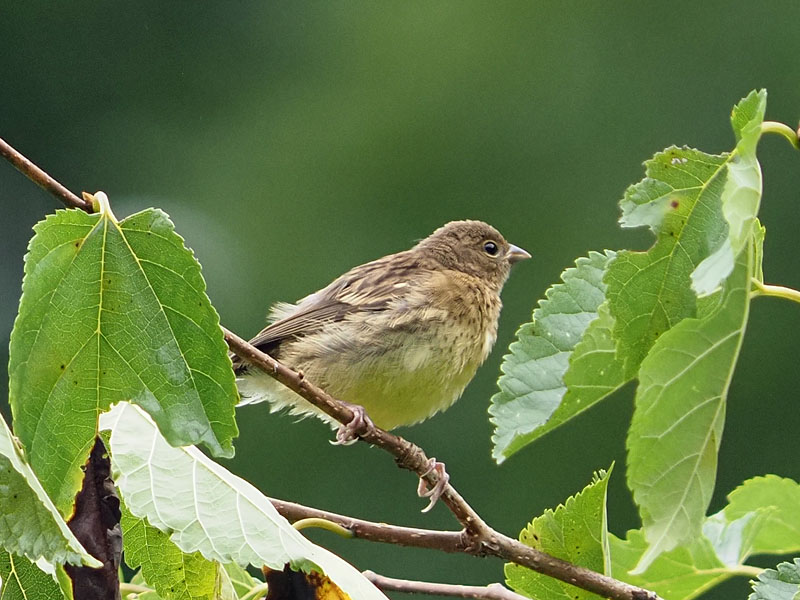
490,248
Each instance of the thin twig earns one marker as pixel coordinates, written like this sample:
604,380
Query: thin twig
477,538
494,591
445,541
42,179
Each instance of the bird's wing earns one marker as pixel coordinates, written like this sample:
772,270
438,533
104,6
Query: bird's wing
371,287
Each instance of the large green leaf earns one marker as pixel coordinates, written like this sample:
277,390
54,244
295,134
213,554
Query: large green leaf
680,412
649,291
532,387
20,579
701,208
780,532
30,524
207,509
113,311
577,532
780,584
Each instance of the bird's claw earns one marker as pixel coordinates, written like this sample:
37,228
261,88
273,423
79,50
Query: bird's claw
349,433
434,493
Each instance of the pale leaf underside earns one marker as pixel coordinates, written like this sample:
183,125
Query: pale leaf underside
207,509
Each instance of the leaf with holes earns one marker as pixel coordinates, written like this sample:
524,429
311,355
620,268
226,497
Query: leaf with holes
702,209
649,292
114,311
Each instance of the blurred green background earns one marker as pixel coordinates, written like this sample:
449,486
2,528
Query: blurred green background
290,141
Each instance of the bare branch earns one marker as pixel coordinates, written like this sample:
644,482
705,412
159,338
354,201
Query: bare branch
445,541
494,591
42,179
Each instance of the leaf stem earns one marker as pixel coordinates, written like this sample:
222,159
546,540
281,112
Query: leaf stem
319,523
748,571
255,591
776,291
783,130
132,588
494,591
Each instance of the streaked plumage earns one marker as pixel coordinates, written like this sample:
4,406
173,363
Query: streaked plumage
401,336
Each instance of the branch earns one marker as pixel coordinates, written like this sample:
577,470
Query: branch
42,179
407,455
445,541
477,538
494,591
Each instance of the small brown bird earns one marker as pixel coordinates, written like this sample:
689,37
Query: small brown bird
401,336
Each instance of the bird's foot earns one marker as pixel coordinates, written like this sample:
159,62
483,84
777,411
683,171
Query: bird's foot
434,493
349,433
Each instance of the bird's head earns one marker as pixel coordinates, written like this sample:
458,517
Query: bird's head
475,248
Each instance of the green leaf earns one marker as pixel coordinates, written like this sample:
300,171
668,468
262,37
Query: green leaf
114,311
741,195
680,412
649,292
20,579
529,402
780,532
780,584
225,588
173,574
594,371
701,563
30,524
733,540
701,207
240,579
680,574
576,531
207,509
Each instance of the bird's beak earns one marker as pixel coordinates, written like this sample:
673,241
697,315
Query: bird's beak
516,254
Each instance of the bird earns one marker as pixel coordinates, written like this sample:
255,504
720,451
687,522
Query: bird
400,336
